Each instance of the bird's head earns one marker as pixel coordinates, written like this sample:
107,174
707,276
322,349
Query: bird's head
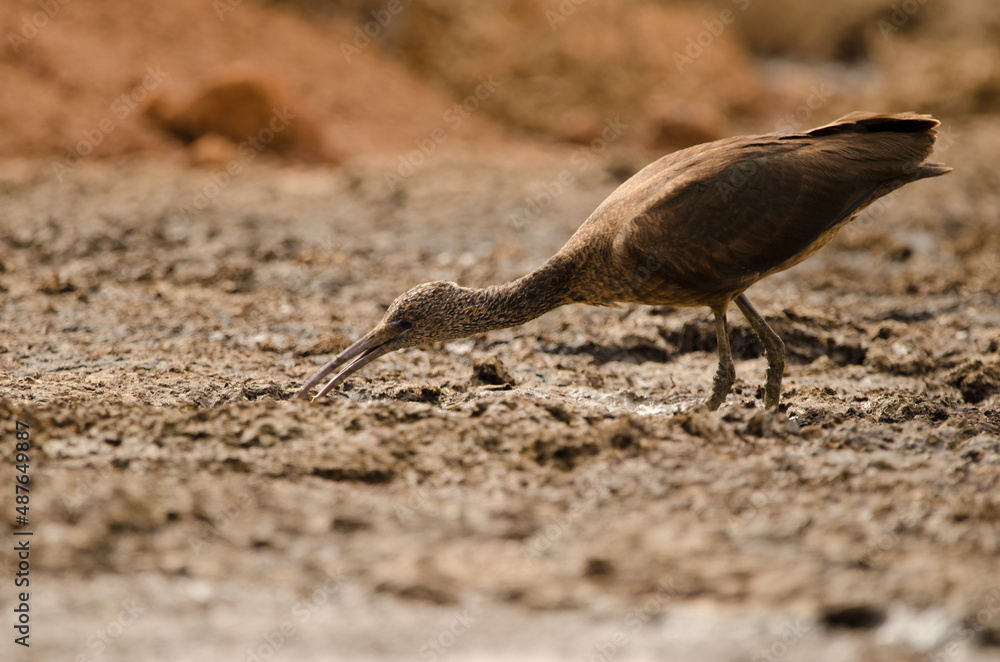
427,313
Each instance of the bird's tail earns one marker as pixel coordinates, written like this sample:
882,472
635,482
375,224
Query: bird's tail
930,170
887,146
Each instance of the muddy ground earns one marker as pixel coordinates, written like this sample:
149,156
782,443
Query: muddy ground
550,492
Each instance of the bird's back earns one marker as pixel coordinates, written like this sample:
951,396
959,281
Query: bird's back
701,224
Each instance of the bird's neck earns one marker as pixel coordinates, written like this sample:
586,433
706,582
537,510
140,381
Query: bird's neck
522,300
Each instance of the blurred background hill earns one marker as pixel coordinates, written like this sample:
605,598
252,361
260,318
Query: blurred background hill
193,78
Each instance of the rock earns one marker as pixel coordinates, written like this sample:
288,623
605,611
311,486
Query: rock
249,109
490,371
212,149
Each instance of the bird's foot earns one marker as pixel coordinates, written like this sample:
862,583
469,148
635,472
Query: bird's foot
726,374
775,370
721,385
714,402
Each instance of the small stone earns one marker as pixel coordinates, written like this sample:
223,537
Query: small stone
490,371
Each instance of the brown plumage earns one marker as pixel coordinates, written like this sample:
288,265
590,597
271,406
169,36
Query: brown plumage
695,228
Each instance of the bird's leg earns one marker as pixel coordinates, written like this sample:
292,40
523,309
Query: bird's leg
726,374
774,350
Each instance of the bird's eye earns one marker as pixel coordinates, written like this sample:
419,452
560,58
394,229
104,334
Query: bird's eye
405,325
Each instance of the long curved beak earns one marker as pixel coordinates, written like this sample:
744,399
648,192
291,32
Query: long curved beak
376,343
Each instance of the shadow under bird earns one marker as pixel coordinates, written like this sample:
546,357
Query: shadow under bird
695,228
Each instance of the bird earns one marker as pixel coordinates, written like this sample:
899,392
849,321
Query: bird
697,227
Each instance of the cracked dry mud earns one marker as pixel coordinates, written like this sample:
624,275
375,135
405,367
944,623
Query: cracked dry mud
547,492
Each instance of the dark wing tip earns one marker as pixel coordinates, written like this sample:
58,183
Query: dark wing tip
865,122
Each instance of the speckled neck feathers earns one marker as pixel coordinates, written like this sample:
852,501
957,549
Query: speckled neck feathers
522,300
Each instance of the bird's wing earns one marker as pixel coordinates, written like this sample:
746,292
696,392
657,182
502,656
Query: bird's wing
717,221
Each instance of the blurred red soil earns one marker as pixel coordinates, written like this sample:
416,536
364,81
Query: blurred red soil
102,78
80,83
